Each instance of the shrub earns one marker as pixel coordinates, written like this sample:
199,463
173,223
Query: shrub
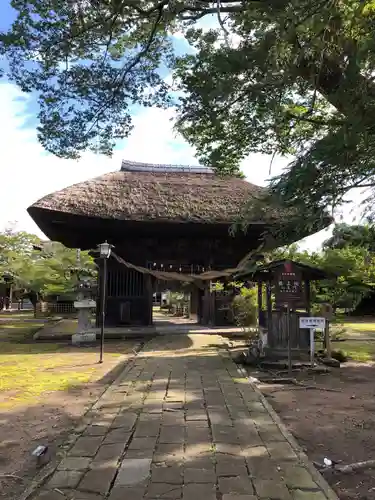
245,308
336,332
340,355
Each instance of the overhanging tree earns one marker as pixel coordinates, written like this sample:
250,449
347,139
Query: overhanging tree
292,77
345,235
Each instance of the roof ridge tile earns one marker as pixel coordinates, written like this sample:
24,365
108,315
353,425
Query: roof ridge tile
135,166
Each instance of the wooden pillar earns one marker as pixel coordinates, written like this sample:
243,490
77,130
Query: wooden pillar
194,303
148,295
213,307
98,311
207,305
327,340
269,312
308,296
200,308
260,302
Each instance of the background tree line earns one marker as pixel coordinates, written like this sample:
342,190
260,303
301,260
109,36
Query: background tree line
43,268
39,269
350,255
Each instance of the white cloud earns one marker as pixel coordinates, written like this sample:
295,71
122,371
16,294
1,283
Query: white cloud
27,173
179,35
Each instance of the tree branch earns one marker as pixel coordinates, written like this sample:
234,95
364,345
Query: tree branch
201,13
314,121
127,70
221,22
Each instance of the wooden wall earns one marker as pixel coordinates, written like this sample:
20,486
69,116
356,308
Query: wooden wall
194,303
278,332
129,297
216,308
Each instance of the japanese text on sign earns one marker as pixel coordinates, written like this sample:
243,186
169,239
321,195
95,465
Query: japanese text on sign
288,287
312,322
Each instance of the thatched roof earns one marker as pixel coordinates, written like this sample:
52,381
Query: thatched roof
166,193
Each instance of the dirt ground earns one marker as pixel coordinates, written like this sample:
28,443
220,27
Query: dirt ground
336,425
48,422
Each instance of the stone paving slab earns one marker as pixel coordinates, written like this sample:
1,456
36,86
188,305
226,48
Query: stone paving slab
183,423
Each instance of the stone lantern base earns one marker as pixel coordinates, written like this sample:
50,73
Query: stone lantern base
83,338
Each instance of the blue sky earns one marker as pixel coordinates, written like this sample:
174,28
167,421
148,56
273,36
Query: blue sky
28,172
6,15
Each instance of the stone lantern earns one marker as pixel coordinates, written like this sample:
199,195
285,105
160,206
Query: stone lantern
85,303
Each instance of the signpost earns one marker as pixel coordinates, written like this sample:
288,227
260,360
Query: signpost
288,294
312,323
326,311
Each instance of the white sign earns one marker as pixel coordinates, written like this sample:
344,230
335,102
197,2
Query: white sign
312,323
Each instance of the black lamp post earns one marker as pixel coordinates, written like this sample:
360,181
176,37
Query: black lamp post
105,250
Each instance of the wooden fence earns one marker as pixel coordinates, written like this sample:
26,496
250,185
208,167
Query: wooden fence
278,331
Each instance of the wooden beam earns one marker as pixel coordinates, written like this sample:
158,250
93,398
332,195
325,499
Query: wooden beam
260,301
148,294
308,296
269,309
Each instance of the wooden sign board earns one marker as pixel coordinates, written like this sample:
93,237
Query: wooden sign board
288,285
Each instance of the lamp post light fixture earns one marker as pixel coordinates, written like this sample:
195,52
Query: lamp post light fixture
105,250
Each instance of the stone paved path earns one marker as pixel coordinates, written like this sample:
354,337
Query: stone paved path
181,423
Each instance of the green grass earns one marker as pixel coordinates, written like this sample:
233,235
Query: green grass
361,351
358,351
359,335
17,314
29,375
29,370
361,328
356,329
18,331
